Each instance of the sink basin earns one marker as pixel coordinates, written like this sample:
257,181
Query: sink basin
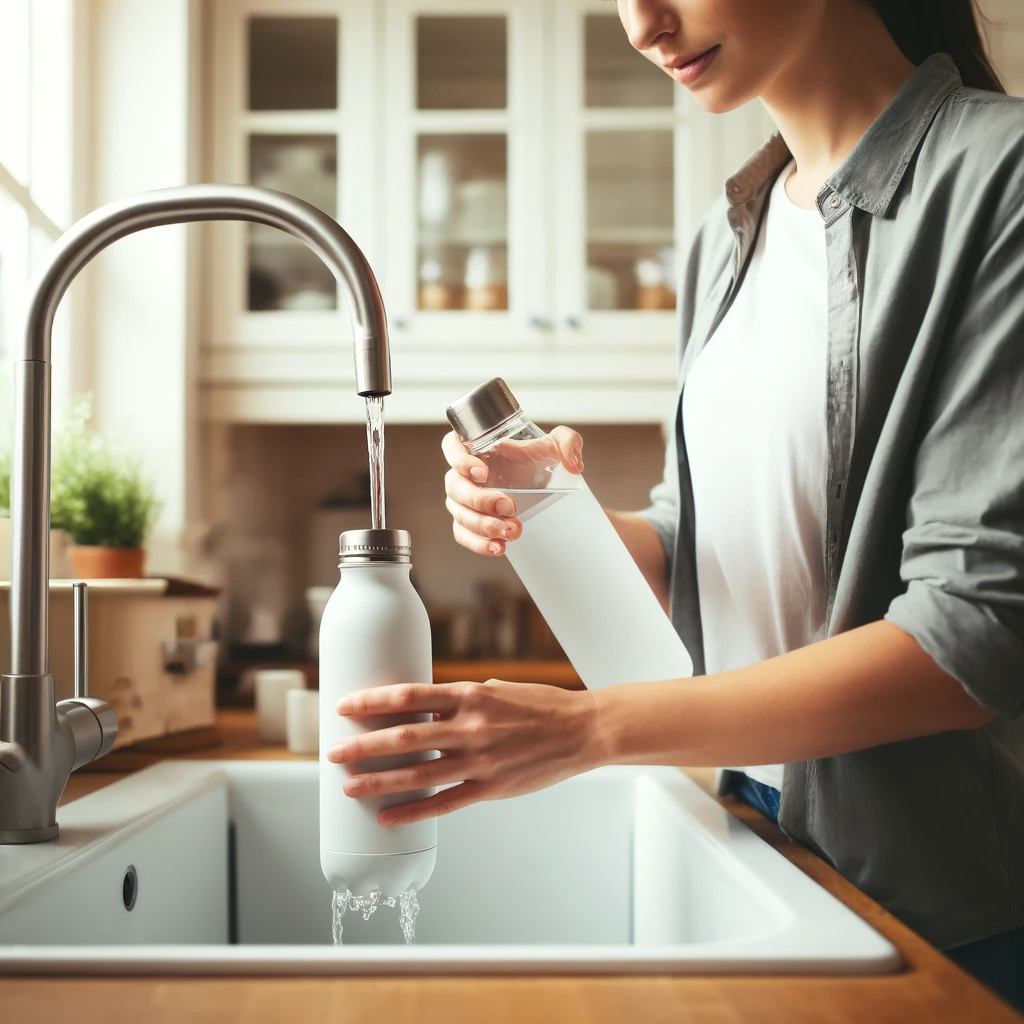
620,870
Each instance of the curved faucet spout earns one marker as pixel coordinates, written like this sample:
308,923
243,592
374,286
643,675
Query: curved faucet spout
40,743
191,203
30,480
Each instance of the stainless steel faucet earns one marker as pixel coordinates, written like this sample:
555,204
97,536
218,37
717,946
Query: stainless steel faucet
42,743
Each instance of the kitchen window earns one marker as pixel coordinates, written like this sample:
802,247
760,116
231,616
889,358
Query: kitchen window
36,86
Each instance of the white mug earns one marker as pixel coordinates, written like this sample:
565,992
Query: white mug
303,721
272,685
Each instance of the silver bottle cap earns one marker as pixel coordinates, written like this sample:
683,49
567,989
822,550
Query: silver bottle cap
482,409
360,547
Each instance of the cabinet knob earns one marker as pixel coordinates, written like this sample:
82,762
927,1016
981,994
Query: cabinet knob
573,322
539,323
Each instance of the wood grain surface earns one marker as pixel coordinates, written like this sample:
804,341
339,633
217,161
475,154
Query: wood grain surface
929,990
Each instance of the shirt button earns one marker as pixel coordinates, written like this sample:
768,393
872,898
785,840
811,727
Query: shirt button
835,202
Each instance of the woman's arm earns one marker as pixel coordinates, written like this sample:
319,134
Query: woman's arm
869,686
866,687
644,544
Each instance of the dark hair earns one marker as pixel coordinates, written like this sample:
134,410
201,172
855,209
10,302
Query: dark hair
923,27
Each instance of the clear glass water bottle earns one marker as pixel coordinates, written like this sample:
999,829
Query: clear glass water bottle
374,632
570,558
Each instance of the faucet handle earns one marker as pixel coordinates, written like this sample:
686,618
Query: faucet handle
12,757
81,592
91,720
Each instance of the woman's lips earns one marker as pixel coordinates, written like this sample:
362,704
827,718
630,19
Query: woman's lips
687,73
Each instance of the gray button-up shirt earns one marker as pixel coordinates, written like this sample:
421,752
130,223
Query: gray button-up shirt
924,228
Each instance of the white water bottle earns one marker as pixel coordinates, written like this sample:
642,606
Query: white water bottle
569,556
374,632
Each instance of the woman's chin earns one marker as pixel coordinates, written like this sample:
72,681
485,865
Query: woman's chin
719,98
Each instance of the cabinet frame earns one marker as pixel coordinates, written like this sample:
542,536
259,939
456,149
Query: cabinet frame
576,326
523,123
230,322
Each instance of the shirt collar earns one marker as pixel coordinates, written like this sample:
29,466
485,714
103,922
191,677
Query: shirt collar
869,177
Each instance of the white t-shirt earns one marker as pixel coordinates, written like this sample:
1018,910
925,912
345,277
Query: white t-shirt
754,423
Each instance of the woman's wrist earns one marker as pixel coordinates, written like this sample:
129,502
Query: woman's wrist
598,717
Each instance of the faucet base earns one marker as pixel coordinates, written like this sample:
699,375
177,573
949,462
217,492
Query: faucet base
15,836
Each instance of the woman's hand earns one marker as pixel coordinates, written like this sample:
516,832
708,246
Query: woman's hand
496,739
483,518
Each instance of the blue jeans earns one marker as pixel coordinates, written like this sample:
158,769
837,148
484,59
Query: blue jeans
759,796
997,961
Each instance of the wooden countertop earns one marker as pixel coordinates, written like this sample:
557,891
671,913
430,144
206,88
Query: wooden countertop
930,989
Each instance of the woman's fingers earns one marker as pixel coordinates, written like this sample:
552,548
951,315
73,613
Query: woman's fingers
412,738
399,739
570,448
482,525
397,700
452,799
477,544
460,460
439,771
465,492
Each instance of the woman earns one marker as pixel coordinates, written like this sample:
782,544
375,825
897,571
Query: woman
841,525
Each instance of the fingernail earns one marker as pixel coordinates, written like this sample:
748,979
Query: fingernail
343,706
494,549
478,473
577,461
352,786
506,507
337,752
387,818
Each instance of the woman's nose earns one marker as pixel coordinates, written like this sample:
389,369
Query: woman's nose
646,21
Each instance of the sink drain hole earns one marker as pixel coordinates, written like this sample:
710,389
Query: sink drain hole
130,887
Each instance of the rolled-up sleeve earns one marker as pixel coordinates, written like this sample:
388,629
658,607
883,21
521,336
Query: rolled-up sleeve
963,549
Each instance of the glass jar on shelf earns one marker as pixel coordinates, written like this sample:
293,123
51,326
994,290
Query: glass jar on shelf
439,287
654,280
486,279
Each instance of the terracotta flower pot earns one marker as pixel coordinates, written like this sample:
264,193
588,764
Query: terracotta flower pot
94,563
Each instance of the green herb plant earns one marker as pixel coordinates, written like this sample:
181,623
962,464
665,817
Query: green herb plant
99,493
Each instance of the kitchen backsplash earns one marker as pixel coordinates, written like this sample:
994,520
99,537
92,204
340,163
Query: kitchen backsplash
266,482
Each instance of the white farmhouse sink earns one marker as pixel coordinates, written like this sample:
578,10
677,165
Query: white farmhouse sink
620,870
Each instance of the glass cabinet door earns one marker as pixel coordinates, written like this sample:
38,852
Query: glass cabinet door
295,116
619,121
465,135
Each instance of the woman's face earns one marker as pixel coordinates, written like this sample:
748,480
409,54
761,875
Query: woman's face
725,52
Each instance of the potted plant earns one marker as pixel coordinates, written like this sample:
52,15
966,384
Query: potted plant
100,495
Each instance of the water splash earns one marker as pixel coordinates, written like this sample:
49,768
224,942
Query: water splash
339,904
375,450
408,904
410,910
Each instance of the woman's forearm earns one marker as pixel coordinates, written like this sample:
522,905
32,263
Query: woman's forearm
644,544
866,687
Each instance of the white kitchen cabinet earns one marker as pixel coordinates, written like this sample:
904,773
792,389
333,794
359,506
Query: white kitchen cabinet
289,87
520,179
1005,33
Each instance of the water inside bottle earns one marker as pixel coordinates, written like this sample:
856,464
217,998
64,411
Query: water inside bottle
375,450
408,910
590,591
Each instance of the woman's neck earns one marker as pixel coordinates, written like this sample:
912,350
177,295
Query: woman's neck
824,99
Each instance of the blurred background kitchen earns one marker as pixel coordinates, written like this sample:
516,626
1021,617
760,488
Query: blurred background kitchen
523,184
